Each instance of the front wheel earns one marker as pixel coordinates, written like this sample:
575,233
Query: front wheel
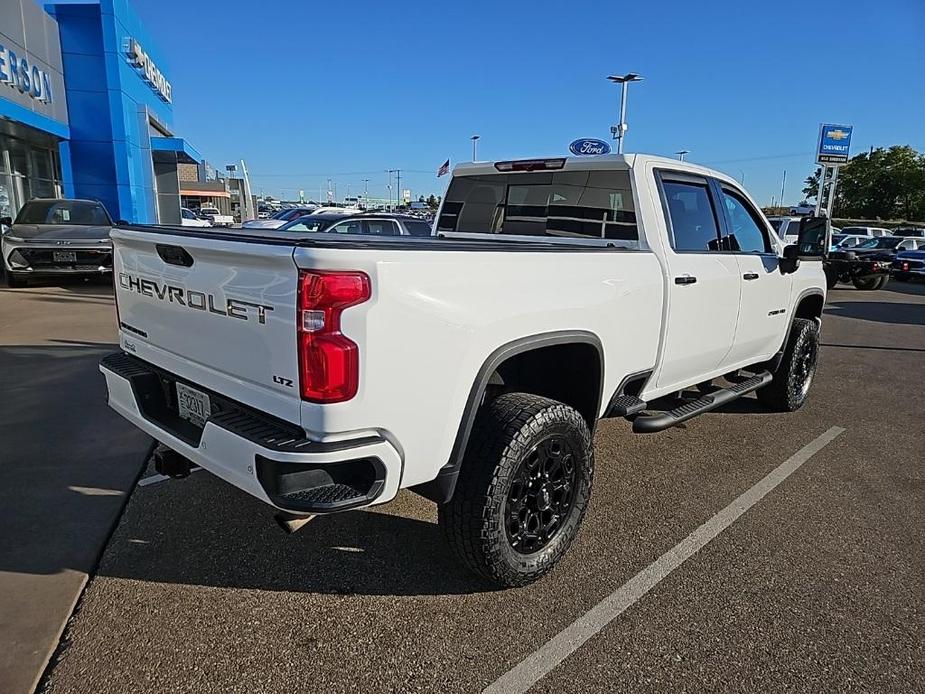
522,491
794,375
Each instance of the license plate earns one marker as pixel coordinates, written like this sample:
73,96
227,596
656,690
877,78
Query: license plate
194,405
64,256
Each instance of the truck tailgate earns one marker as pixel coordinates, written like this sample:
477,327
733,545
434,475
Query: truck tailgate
215,311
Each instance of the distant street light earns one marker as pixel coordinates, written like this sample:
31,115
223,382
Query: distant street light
619,131
475,147
681,154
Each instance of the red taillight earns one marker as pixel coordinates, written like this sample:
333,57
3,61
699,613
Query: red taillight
905,267
329,362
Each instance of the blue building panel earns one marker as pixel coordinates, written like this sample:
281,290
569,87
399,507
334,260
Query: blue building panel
114,107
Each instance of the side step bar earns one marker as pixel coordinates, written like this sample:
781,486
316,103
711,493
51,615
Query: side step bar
646,424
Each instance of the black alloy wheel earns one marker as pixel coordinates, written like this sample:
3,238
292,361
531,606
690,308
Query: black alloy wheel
541,495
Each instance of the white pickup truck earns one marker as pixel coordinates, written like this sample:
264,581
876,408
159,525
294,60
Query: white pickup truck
322,372
216,217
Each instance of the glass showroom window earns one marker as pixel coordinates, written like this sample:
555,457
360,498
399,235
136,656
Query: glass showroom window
26,171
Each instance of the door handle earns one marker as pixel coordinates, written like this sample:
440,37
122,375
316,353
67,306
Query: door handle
685,279
750,276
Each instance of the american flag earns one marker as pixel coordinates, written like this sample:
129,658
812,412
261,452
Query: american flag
443,170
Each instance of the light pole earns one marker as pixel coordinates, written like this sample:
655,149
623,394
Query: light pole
391,171
681,154
365,193
619,131
475,147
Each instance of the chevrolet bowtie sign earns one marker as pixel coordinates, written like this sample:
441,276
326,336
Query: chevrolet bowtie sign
834,144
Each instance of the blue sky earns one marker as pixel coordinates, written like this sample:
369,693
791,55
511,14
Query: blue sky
304,91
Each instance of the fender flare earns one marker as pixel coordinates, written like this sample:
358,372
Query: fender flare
774,362
441,488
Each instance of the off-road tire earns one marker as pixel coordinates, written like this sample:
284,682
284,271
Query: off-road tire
507,431
794,376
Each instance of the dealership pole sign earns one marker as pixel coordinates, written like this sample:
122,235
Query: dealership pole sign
149,72
18,72
834,144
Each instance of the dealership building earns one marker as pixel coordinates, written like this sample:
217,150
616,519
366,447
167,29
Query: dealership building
86,111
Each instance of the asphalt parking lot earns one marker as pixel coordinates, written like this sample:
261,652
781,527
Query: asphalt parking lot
819,585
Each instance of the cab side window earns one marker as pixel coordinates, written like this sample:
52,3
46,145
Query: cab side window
746,233
693,220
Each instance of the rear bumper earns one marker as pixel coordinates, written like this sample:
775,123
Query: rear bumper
267,458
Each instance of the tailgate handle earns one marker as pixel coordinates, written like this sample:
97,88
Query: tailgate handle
174,255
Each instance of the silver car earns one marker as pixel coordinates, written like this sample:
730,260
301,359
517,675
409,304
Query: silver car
54,237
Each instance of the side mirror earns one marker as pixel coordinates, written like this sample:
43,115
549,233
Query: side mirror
121,222
814,238
790,260
6,221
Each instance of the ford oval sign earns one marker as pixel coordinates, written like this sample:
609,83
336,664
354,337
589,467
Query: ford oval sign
587,145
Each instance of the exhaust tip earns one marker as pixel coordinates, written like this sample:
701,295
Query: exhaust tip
291,523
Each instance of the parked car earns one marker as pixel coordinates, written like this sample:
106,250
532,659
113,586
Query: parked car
279,219
381,225
869,264
217,218
313,222
910,232
909,264
846,241
469,366
786,227
188,218
866,231
56,237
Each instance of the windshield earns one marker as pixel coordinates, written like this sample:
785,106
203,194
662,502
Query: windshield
881,242
776,223
576,204
80,212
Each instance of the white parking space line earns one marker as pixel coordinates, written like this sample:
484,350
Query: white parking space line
154,479
541,662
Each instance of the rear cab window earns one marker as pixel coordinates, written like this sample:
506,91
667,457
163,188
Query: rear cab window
581,204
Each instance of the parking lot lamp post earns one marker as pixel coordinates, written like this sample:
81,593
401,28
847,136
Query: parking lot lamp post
618,131
681,154
475,147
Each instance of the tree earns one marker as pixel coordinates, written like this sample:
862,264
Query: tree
432,202
881,184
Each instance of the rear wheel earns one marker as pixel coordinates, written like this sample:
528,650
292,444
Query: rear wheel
901,277
522,491
794,375
831,278
867,283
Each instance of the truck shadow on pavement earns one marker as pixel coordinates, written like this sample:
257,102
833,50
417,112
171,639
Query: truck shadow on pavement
202,531
895,313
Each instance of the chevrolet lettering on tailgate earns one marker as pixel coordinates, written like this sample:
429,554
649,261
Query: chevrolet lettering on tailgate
192,299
